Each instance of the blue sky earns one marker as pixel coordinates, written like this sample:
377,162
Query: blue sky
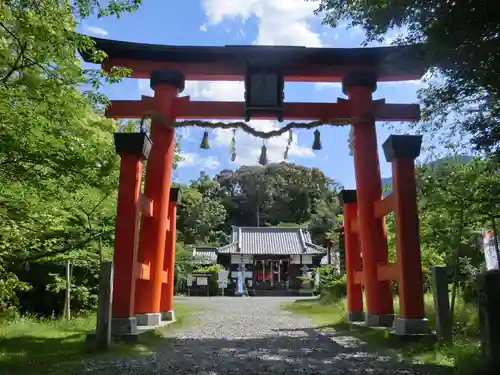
263,22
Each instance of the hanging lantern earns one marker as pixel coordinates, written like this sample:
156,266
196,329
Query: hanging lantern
263,156
264,89
317,140
204,142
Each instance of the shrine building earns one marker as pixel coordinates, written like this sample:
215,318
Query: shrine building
273,258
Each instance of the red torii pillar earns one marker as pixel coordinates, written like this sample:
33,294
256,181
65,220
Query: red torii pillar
401,151
359,88
133,149
166,84
353,265
167,291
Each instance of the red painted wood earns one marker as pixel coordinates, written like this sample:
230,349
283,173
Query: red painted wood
126,233
369,190
186,109
411,292
157,189
167,298
352,259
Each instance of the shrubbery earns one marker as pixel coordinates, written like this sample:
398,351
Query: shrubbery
332,287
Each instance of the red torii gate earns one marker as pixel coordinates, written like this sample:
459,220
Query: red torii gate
144,262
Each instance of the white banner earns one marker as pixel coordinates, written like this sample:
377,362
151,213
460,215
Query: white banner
490,253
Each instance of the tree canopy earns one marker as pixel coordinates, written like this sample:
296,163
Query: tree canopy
461,40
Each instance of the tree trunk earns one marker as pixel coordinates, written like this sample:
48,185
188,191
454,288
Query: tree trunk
67,299
101,254
495,239
456,266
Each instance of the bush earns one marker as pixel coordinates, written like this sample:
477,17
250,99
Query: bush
332,287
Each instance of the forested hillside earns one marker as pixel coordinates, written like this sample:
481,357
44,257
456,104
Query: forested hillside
277,194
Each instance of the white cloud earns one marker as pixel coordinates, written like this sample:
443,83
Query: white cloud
203,28
96,31
233,91
248,148
144,87
415,82
338,85
327,85
191,159
279,22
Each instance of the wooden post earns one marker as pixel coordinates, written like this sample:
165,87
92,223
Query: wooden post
67,301
371,230
167,291
166,85
489,316
133,149
355,311
401,151
440,292
103,331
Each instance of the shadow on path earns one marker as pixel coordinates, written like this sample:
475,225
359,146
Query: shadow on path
298,351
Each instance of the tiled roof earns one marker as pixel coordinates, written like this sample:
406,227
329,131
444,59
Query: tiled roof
205,255
271,241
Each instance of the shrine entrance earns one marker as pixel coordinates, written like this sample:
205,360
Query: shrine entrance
144,261
272,274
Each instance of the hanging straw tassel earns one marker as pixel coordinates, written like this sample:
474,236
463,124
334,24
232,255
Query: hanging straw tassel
263,156
288,144
233,146
204,142
317,140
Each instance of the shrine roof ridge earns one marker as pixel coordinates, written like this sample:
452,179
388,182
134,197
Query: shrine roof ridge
294,240
409,59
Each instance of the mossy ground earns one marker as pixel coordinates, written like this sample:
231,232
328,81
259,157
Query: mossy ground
30,345
463,353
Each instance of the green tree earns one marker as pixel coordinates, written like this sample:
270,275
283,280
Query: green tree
455,203
460,39
277,193
201,213
58,169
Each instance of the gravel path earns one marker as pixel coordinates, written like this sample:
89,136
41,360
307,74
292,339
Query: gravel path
254,336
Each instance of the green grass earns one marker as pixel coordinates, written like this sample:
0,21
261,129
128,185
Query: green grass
32,346
462,353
